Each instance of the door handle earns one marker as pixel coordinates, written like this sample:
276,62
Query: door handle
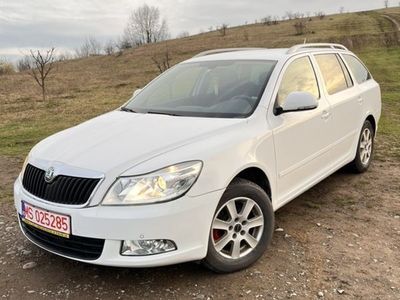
360,100
325,115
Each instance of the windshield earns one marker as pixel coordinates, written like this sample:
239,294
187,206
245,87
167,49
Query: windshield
223,89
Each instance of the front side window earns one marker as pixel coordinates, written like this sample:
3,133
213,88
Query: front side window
225,89
360,73
298,77
332,72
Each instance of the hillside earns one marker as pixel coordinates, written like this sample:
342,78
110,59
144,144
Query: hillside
339,240
83,88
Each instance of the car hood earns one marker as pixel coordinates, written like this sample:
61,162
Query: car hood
118,140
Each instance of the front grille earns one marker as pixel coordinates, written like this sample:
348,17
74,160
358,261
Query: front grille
63,189
75,246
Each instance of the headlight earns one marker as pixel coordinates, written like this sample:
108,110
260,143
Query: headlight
162,185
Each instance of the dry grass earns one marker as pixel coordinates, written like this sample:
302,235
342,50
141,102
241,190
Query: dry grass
83,88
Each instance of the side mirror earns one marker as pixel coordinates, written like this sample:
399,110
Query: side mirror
298,101
136,92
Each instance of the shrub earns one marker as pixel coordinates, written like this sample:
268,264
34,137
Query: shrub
300,27
6,67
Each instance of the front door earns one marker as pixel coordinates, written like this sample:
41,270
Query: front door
300,137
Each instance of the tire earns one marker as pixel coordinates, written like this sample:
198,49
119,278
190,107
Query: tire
365,149
237,231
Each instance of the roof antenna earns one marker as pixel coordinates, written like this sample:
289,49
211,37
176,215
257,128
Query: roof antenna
305,41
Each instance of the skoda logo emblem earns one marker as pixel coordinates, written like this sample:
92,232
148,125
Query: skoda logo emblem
49,175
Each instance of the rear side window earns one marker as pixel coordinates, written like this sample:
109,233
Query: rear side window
333,73
349,81
360,73
299,77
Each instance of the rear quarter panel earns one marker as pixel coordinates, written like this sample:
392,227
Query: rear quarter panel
371,93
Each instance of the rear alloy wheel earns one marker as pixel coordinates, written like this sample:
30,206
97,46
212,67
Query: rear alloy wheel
241,229
365,146
365,149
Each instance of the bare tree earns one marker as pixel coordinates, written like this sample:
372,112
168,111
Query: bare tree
42,65
123,44
183,34
289,15
267,20
63,56
386,3
341,10
129,40
275,20
109,47
24,63
298,15
90,47
222,29
211,28
162,60
145,26
320,14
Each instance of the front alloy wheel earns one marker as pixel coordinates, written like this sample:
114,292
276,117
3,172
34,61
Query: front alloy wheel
241,229
237,227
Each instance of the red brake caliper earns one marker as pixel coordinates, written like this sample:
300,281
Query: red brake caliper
217,234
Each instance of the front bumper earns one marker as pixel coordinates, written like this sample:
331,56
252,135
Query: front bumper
186,221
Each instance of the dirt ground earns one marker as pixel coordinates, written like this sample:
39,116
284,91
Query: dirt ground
340,240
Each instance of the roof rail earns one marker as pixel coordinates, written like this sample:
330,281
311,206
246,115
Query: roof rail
224,50
298,47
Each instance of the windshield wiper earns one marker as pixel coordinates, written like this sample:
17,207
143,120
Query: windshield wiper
128,109
148,112
161,113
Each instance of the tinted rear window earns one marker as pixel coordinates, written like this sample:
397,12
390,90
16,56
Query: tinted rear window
332,72
360,73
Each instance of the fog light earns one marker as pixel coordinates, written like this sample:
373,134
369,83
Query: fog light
147,247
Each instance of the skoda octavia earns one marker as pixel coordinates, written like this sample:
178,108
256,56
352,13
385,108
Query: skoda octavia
193,167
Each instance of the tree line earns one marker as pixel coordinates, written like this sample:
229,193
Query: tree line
145,26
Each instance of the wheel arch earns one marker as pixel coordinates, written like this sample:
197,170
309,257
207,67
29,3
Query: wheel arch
371,119
257,176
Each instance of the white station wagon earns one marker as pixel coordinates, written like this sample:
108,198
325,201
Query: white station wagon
193,167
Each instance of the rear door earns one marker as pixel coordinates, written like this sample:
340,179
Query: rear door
345,101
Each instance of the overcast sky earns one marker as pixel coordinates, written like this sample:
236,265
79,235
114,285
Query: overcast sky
64,24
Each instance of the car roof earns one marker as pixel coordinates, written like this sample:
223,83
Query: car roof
264,53
252,54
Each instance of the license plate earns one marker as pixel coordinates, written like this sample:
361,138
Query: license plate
45,220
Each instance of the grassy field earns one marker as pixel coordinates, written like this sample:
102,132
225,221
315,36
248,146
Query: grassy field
83,88
340,238
384,64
